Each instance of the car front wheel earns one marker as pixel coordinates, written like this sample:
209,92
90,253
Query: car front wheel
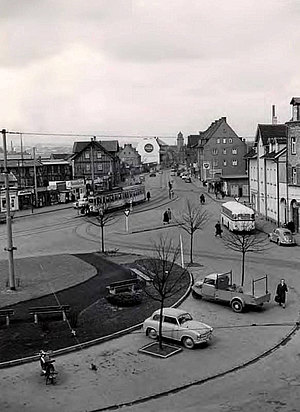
195,295
188,342
237,306
151,333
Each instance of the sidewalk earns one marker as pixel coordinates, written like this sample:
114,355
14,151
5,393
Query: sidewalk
40,210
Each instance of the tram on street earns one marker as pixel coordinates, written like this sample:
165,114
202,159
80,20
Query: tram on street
237,217
116,198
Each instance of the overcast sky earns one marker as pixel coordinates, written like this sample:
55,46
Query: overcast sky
147,67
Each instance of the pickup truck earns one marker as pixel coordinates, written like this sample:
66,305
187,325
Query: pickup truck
219,287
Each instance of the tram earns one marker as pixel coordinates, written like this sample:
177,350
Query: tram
116,198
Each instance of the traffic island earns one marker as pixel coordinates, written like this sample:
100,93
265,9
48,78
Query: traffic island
164,352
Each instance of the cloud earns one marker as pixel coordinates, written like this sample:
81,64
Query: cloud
148,67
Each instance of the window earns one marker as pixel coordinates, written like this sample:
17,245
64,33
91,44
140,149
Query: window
214,151
156,317
224,140
294,175
224,151
215,163
293,145
208,281
99,155
234,151
171,320
218,140
230,140
224,163
86,155
100,167
88,167
234,162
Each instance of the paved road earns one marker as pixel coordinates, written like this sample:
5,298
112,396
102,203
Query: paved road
125,376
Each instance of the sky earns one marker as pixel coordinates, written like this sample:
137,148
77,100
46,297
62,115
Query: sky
146,67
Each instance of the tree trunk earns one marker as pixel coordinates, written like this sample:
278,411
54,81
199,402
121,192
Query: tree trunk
160,324
243,269
191,249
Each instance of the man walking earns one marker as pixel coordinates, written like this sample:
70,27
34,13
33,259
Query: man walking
218,229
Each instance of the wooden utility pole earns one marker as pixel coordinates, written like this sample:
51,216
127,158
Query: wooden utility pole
10,248
35,179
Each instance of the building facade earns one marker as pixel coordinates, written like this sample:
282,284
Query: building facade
100,168
220,157
293,163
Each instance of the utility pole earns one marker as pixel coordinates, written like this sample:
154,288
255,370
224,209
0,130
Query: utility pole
10,249
35,179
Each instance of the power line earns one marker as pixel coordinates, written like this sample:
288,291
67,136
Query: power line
88,135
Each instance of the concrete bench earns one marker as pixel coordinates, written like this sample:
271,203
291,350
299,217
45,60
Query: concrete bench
7,313
47,310
128,285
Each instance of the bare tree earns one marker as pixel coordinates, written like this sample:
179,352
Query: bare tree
104,218
165,274
245,242
193,218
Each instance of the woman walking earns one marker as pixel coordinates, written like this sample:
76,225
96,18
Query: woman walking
281,293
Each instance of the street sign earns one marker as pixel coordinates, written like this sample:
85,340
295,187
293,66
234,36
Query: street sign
206,165
127,212
237,199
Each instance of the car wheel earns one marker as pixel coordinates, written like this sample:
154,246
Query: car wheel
151,333
195,295
237,306
188,342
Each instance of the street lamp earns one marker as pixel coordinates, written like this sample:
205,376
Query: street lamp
101,216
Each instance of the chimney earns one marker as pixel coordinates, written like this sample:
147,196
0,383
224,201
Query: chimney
274,118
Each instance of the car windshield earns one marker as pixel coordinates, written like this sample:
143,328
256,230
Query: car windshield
184,318
287,234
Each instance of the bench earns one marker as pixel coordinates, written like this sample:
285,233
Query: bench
141,275
7,313
45,310
127,285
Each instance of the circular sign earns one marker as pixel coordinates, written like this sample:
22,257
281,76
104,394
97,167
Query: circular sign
127,212
206,165
148,148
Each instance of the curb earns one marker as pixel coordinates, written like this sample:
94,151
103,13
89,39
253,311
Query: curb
93,342
202,381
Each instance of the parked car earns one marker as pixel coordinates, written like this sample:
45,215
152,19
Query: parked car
188,179
178,325
152,174
282,236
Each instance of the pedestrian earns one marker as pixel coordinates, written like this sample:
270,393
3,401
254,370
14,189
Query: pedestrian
169,213
166,217
148,196
170,186
218,229
281,291
172,193
202,199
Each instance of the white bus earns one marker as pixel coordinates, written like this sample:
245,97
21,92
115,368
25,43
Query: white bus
237,217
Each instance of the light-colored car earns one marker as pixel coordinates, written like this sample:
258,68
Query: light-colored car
282,236
178,325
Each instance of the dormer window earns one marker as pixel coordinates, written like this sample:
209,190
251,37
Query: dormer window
293,145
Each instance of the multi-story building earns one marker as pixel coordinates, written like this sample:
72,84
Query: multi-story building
99,167
221,158
267,172
130,156
293,163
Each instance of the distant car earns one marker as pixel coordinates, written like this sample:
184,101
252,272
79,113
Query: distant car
282,236
160,172
178,325
173,173
188,179
152,174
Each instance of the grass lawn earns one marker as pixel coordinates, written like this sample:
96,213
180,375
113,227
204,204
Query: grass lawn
92,317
